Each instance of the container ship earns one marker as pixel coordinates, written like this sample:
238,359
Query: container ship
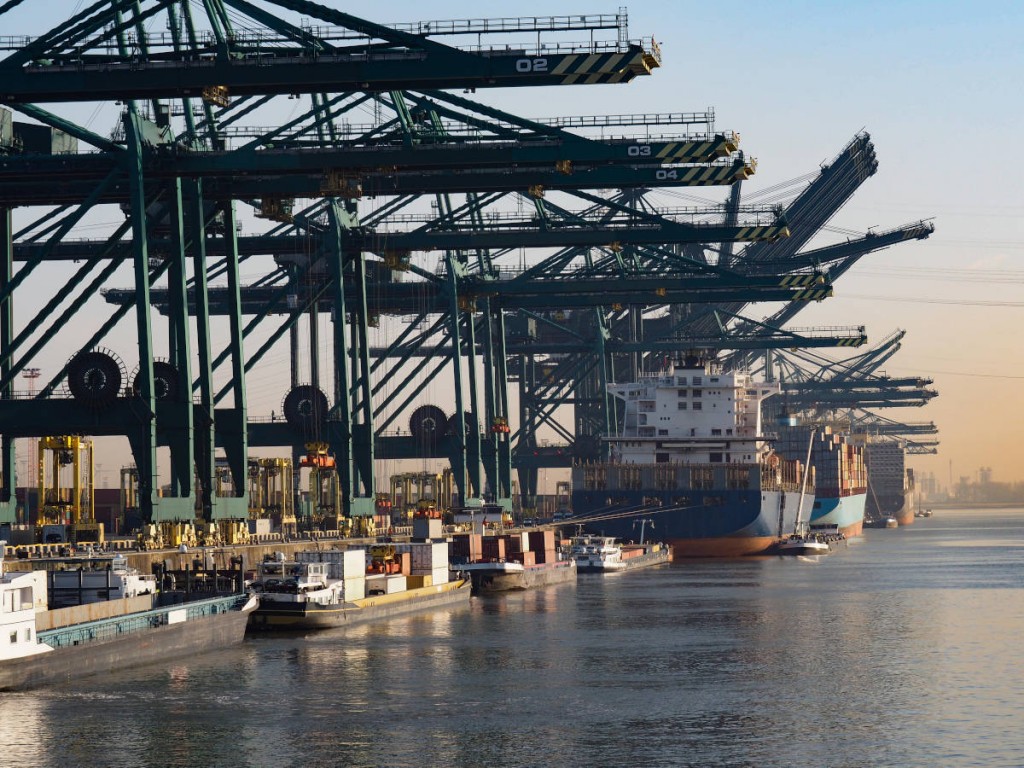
891,489
691,456
840,474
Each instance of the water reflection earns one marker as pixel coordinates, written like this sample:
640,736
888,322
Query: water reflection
901,651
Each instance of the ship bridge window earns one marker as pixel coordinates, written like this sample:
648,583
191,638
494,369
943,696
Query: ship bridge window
697,380
698,393
697,406
661,458
716,433
681,406
681,380
728,431
14,636
682,393
752,392
715,458
662,431
713,379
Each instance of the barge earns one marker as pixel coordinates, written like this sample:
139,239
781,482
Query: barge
327,589
42,646
602,554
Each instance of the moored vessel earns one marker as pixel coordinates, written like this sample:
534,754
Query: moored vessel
891,486
43,645
603,554
803,544
326,589
511,562
511,576
840,474
691,455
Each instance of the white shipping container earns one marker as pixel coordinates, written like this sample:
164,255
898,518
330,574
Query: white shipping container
439,575
439,556
354,563
395,584
376,584
355,589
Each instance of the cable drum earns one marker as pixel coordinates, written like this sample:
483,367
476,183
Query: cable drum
305,406
468,418
427,424
95,377
166,382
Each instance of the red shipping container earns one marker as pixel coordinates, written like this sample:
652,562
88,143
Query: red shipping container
493,548
514,542
547,556
542,540
526,558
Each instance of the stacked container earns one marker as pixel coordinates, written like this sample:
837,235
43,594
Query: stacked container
467,548
428,558
493,548
542,544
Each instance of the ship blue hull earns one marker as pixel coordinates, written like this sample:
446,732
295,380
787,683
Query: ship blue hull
844,512
714,522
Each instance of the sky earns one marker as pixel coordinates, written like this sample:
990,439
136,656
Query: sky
936,86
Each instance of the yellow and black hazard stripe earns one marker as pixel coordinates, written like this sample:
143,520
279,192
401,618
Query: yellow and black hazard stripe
592,68
692,151
800,280
812,294
855,342
758,233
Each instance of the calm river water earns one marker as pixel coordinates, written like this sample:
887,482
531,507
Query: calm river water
900,650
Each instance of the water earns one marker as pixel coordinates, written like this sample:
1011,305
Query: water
901,650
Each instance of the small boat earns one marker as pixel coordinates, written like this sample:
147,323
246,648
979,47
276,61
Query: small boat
892,522
802,541
803,544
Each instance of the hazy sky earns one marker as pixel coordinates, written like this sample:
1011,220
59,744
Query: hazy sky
936,84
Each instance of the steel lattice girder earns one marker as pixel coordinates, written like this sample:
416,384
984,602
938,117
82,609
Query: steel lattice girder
266,54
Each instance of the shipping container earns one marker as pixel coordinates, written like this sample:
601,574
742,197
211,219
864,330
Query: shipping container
527,558
355,589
